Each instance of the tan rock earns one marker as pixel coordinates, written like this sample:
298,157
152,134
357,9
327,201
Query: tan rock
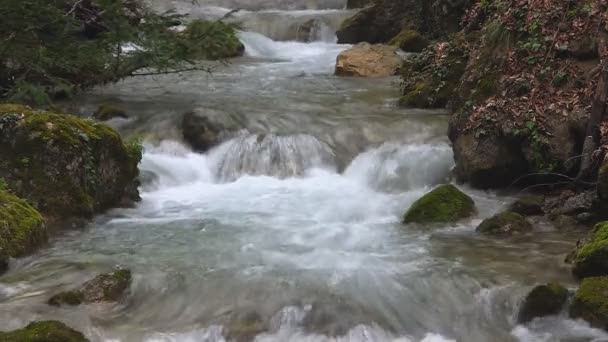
368,60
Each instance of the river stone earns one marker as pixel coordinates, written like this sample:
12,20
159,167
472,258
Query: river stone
591,302
43,331
443,204
108,287
203,129
106,112
528,205
368,60
244,326
590,258
504,223
543,300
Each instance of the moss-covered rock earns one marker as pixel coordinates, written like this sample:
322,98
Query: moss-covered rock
43,331
65,166
528,205
504,223
591,302
22,228
443,204
106,112
203,39
543,300
590,259
410,41
107,287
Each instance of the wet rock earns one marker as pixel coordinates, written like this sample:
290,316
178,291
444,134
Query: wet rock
243,327
409,41
564,222
333,319
528,205
443,204
591,302
505,223
108,287
368,61
307,31
106,112
64,166
590,258
571,203
602,181
43,331
204,129
543,300
22,228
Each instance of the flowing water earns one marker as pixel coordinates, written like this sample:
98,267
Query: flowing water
290,231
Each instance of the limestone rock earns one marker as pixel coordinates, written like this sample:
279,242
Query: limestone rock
368,61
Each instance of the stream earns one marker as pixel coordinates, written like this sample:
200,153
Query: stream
293,223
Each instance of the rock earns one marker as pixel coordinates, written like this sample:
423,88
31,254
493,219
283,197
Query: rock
204,129
543,300
564,222
528,205
368,61
43,331
308,30
106,112
22,228
571,203
198,45
245,326
358,3
591,302
504,223
64,166
444,204
602,181
409,41
590,258
108,287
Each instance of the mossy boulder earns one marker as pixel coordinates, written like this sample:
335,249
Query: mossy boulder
443,204
43,331
528,205
107,287
200,40
591,302
505,223
22,228
64,166
543,300
590,259
106,112
410,41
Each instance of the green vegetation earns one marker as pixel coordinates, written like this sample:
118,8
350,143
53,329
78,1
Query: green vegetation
43,331
54,48
591,259
22,228
444,204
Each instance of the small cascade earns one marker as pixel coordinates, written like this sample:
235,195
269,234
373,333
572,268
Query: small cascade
270,155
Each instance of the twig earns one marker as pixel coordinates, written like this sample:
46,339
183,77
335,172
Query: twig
571,179
76,4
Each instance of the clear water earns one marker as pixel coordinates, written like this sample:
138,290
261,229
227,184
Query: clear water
295,221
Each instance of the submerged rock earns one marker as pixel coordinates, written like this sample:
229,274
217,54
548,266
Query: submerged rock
591,302
368,61
410,41
590,259
444,204
245,326
505,223
65,166
43,331
203,130
22,228
528,205
108,287
106,112
543,300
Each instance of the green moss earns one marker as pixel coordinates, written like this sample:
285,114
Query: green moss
591,301
418,96
543,300
22,228
591,259
504,223
409,41
444,204
43,331
67,298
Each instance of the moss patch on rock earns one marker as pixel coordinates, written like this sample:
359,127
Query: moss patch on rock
504,223
107,287
528,205
44,331
22,228
591,302
591,258
543,300
443,204
410,41
65,166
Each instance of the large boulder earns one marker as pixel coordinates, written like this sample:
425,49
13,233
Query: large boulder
203,129
107,287
368,61
590,258
505,223
443,204
591,302
43,331
64,166
543,300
